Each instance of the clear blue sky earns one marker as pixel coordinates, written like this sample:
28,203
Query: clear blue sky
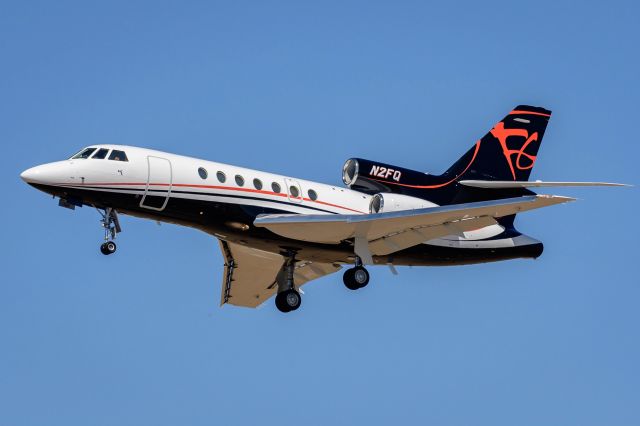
297,88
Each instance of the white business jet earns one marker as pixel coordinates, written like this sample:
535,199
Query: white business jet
277,233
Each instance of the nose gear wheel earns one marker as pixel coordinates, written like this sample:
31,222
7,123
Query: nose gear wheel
111,225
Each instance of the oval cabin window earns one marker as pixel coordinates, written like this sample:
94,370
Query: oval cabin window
312,195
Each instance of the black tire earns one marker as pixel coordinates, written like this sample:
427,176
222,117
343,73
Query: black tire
348,280
288,300
280,303
355,278
108,248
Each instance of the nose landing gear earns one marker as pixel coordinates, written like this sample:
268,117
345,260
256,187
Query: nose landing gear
111,226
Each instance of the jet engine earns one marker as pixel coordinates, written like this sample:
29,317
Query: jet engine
373,177
385,202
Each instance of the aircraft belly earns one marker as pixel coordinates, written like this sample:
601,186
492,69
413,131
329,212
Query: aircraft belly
233,222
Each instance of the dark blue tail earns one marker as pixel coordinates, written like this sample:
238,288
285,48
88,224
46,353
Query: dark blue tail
508,151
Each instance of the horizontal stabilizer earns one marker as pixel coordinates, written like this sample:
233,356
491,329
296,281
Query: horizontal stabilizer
505,184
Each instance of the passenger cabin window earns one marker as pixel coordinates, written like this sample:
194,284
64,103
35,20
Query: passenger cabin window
276,187
239,180
313,195
118,156
84,154
101,154
221,177
293,190
257,184
203,172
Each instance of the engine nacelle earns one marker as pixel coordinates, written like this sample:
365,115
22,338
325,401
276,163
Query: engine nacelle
372,177
385,202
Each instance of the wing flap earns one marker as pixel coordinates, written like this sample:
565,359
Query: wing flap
414,236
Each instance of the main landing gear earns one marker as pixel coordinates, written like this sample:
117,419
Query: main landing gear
288,298
111,226
356,277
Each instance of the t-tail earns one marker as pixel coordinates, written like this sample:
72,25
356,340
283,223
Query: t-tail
508,151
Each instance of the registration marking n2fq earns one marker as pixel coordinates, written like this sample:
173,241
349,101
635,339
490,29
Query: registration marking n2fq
385,172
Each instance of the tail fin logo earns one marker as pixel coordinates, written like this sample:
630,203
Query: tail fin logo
523,161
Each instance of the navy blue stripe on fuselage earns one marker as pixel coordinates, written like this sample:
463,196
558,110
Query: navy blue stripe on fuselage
120,190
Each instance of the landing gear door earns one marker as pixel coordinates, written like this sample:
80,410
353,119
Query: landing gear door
294,191
159,182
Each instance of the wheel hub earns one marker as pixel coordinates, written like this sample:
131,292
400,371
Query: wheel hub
292,299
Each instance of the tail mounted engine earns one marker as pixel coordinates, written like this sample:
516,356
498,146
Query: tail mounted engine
373,177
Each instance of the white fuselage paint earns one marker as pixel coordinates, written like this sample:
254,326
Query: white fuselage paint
171,175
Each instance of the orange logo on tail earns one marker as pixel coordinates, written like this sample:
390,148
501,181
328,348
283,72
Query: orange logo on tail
502,134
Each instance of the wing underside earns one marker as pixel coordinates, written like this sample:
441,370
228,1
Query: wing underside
250,275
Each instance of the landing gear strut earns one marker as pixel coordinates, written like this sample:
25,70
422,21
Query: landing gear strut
111,226
288,298
356,277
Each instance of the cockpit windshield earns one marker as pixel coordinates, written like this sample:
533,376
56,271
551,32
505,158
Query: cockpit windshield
85,153
100,154
118,156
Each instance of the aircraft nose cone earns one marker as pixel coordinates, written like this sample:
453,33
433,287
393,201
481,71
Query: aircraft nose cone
30,175
47,174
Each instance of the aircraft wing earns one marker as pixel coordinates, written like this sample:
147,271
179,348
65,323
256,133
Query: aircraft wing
384,233
250,275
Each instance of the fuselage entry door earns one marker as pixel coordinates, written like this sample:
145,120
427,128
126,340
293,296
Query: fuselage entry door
159,182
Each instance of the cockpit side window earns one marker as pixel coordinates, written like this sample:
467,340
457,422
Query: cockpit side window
118,155
101,154
85,153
